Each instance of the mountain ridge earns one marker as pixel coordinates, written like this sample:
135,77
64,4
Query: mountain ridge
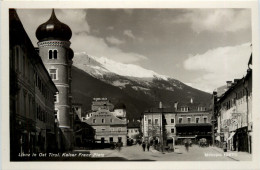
95,77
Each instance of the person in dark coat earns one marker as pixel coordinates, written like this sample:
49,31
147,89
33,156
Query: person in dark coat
148,146
143,145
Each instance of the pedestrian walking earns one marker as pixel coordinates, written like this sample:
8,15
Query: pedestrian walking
225,146
186,143
143,145
148,146
119,145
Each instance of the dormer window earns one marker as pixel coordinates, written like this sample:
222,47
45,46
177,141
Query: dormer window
201,108
184,109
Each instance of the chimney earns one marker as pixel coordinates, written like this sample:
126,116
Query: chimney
229,84
175,105
160,105
191,100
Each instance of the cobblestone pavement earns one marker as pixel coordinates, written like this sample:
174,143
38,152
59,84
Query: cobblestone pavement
135,153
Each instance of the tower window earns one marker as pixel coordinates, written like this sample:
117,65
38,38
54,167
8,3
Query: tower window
53,74
53,54
50,54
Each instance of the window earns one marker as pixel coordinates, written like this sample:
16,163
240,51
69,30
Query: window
135,131
111,120
172,130
56,114
53,74
103,120
94,120
172,120
184,109
53,54
149,121
145,118
119,129
205,120
180,120
50,54
56,98
156,121
103,129
111,139
189,119
197,119
112,129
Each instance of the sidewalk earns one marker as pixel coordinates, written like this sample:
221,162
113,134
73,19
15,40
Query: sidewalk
238,156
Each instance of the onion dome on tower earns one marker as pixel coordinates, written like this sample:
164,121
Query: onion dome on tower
53,29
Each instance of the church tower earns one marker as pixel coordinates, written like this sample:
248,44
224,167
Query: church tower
56,54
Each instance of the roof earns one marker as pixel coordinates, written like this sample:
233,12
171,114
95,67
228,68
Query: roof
193,107
133,124
19,35
160,110
53,29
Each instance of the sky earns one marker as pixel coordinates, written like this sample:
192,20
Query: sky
203,48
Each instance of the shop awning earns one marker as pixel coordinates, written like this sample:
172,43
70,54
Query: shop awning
231,135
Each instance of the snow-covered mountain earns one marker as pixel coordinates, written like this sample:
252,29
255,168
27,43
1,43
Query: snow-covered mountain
133,85
120,75
101,65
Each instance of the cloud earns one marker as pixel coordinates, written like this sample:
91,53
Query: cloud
216,20
129,34
219,65
75,18
97,47
114,41
110,28
82,40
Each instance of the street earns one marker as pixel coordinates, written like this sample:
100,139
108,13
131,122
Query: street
135,153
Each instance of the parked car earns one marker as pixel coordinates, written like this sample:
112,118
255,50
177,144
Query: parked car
203,142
